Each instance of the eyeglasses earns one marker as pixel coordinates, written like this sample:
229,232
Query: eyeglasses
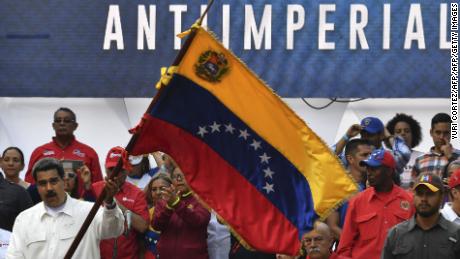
66,120
52,181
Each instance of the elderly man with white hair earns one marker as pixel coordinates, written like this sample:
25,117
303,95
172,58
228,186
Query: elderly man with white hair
318,242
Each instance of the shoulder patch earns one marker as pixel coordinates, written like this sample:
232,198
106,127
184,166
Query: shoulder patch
405,205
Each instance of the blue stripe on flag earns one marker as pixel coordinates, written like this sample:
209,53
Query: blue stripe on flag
194,109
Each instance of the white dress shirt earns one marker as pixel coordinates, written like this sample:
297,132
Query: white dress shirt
39,235
450,214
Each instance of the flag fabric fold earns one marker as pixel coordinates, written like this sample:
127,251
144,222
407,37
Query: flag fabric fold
243,151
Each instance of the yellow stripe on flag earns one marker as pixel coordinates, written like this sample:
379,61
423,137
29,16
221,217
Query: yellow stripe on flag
249,98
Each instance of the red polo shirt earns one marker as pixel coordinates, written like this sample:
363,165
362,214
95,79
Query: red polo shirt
133,199
369,217
75,151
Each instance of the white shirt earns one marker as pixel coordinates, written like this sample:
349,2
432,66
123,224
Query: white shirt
218,239
450,214
38,235
406,175
5,236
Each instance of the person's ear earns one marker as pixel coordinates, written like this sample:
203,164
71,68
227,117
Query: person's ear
454,192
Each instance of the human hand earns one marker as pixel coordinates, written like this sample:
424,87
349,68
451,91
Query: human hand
85,175
447,148
158,157
354,130
111,189
168,194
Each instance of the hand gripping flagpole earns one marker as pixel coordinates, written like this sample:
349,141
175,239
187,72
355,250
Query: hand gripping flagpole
133,140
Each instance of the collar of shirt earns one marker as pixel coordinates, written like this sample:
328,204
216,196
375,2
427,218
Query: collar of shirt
71,143
442,222
394,193
67,208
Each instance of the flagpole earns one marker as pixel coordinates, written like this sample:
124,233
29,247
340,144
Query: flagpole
130,145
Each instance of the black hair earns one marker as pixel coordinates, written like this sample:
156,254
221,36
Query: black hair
439,118
414,126
17,149
352,146
46,164
65,109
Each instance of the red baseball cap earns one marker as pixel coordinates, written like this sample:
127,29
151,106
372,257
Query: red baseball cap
114,155
454,179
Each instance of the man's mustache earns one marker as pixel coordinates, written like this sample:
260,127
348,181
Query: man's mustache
424,204
314,249
50,194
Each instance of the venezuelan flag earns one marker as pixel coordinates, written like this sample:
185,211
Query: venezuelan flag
243,151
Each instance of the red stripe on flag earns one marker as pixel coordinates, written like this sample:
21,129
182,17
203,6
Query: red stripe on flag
222,187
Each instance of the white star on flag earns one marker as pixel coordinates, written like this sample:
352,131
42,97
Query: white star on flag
256,144
229,128
264,158
268,188
244,134
215,127
268,173
202,131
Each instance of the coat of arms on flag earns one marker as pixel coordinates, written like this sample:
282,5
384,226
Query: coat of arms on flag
211,66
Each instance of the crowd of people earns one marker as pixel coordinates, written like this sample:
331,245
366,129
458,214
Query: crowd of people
408,205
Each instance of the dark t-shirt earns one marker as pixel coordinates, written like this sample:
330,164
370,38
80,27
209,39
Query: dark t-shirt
13,200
